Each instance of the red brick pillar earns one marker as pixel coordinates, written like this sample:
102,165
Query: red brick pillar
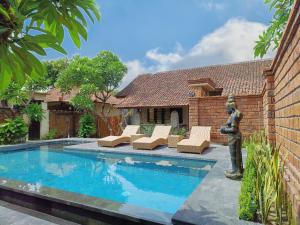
193,112
269,106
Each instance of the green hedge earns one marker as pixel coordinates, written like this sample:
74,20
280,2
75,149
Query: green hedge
247,200
13,131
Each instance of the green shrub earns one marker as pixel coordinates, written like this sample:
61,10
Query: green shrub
179,131
52,134
87,126
147,129
247,200
262,191
13,131
35,112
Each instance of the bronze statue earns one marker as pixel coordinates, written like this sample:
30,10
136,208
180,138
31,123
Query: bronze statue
234,139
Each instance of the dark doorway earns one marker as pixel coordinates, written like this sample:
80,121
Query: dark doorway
34,131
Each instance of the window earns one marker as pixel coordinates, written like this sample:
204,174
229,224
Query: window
215,93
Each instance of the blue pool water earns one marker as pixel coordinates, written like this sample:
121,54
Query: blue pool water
151,182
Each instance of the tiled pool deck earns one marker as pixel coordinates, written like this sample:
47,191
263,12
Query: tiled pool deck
214,202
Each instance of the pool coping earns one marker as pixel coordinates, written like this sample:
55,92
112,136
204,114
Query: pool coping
206,205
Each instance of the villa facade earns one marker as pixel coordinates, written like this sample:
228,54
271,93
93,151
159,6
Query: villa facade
197,96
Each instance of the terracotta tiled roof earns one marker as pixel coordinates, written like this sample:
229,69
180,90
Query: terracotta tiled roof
170,88
54,95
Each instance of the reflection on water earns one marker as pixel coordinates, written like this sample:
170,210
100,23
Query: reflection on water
148,182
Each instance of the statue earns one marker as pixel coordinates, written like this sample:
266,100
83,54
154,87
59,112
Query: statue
234,139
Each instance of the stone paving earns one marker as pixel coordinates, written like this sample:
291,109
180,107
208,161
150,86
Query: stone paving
16,215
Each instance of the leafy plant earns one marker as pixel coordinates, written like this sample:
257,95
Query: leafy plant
28,27
87,126
270,38
248,201
13,131
52,134
179,131
147,129
54,68
263,182
35,112
95,79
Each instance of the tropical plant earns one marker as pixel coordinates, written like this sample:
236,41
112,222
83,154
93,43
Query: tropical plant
262,186
53,69
179,131
28,27
248,201
13,131
271,36
96,78
19,99
34,111
87,126
147,129
52,134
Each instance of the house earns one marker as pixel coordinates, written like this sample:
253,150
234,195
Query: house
64,118
197,96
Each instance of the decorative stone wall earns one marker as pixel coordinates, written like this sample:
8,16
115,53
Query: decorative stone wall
285,72
211,111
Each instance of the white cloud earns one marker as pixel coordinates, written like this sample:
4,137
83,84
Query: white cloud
233,42
210,5
134,68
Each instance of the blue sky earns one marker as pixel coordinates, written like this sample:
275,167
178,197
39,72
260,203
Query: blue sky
155,35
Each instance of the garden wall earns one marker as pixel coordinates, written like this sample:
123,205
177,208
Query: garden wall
211,111
67,124
285,73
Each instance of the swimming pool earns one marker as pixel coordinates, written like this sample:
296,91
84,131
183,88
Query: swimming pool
158,183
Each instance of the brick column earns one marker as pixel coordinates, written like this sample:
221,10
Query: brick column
193,112
269,106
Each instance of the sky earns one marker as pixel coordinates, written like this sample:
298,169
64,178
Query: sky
158,35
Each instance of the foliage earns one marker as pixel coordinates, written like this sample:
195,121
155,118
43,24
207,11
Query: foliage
14,95
248,200
262,185
87,126
28,27
272,35
99,76
147,129
95,79
19,98
53,69
179,131
34,111
13,131
52,134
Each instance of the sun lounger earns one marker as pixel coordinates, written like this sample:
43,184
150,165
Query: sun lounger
159,137
112,141
198,141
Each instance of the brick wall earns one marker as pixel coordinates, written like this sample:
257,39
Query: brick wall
211,111
285,71
269,107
